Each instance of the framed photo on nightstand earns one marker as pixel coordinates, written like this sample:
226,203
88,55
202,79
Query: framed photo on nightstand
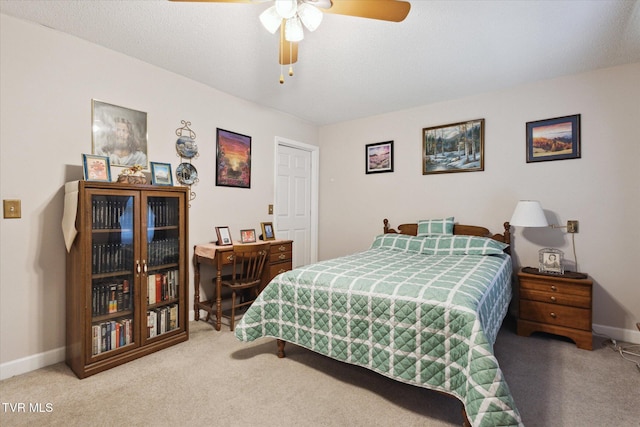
551,261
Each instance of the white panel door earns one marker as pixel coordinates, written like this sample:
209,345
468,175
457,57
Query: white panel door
293,208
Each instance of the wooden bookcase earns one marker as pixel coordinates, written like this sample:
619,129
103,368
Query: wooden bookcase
127,274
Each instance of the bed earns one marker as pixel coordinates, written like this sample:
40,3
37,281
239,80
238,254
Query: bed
423,305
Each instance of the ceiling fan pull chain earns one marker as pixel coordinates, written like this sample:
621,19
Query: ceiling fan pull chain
291,56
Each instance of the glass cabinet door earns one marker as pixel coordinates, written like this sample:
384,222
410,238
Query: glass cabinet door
113,272
162,264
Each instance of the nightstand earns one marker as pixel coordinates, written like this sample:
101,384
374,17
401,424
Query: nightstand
557,304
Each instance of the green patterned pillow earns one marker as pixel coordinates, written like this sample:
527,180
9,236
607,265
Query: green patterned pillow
400,242
435,227
463,245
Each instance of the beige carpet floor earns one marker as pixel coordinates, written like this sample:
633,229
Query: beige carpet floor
214,380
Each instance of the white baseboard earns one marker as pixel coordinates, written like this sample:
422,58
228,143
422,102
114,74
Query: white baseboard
31,363
51,357
37,361
626,335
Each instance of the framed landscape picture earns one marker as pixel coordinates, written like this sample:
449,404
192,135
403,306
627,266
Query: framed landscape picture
458,147
379,157
233,159
553,139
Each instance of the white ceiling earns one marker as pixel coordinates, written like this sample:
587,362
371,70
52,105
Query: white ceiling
354,67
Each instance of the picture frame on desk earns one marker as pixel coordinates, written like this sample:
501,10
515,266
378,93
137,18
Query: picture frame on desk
267,231
224,236
248,235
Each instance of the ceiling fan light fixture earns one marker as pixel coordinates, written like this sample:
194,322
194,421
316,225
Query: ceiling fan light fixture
293,31
310,16
286,8
270,19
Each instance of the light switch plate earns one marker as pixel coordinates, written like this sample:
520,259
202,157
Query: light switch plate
12,208
270,209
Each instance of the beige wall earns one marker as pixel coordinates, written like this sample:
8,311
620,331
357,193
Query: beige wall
47,82
601,190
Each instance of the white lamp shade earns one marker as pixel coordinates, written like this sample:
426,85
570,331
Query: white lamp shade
270,19
528,213
310,15
293,30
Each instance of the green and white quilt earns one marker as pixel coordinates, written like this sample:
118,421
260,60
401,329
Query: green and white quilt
422,310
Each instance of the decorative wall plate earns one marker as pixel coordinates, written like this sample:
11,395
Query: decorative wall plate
186,173
186,147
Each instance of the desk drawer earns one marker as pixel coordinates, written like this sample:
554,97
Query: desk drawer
554,314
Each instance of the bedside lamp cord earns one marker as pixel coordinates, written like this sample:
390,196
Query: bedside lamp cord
575,257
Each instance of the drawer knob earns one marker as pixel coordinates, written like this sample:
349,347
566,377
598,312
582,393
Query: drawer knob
282,270
554,288
552,314
282,248
282,256
553,299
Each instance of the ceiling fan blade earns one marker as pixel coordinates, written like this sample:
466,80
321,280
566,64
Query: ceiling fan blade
221,1
288,50
385,10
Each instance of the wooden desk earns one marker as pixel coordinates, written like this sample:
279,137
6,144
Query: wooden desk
279,261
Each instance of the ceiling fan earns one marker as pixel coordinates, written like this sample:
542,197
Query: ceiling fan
291,16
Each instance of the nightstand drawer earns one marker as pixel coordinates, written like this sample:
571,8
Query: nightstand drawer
553,314
546,285
556,298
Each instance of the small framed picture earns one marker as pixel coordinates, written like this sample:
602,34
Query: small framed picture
379,157
96,168
248,236
551,261
224,236
553,139
161,174
267,231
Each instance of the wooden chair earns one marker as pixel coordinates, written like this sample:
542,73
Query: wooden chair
246,275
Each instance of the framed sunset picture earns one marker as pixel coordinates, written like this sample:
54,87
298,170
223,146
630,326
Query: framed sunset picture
553,139
233,159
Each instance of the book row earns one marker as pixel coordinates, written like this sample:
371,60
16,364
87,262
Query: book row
163,251
162,286
111,297
110,335
111,257
162,320
110,212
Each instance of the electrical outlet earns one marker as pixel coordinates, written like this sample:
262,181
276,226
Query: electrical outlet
572,226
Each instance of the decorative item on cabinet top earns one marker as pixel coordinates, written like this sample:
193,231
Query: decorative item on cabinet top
187,149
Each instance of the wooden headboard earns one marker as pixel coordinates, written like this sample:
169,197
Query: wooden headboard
460,229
